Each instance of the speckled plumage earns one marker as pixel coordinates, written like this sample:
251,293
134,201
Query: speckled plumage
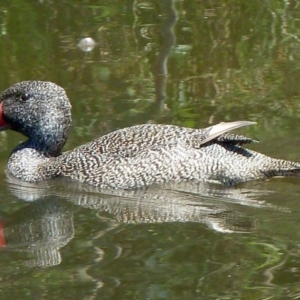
127,158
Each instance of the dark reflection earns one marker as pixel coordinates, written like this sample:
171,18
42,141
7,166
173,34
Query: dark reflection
159,62
169,40
41,229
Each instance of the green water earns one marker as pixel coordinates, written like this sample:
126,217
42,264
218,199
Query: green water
191,63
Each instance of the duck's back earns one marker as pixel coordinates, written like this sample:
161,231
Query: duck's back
131,141
147,154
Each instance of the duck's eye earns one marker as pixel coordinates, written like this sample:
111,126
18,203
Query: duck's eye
24,97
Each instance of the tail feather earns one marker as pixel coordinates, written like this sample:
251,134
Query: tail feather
282,168
218,129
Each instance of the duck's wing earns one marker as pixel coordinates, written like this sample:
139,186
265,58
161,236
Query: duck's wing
132,141
219,132
235,139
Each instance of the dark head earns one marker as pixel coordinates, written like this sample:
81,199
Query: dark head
39,110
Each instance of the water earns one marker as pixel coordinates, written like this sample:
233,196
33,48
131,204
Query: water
188,63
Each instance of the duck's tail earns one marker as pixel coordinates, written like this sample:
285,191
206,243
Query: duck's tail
280,168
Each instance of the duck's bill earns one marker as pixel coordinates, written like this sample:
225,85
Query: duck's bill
3,124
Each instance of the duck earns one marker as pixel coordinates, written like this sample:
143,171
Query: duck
128,158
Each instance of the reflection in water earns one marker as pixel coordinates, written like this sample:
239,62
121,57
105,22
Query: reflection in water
44,226
130,257
159,66
172,203
40,228
212,205
169,41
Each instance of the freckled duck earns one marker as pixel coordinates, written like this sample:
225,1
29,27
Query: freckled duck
127,158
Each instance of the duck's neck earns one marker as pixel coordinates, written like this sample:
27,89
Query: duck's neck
47,140
33,159
46,147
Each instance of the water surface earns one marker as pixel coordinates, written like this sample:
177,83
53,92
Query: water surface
188,63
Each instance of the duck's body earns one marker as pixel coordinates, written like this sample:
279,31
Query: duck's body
127,158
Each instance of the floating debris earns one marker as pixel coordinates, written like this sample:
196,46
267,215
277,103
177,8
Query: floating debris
87,44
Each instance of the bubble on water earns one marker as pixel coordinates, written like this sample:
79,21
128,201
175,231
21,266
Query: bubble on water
87,44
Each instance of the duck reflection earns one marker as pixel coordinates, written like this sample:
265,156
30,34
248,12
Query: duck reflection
45,225
174,202
219,208
41,229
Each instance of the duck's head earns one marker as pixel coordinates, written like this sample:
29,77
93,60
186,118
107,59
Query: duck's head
40,110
